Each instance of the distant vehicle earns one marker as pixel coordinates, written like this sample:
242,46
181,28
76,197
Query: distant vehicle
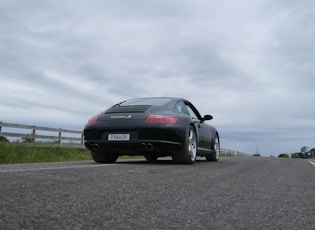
153,127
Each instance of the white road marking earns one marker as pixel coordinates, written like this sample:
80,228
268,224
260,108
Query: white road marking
54,168
312,162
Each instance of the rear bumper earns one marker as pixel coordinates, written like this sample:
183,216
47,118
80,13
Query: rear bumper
158,139
140,147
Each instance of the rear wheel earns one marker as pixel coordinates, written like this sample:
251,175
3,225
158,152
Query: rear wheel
101,157
214,156
189,151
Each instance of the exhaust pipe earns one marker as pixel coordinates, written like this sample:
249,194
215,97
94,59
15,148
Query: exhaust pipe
150,147
147,146
94,146
143,145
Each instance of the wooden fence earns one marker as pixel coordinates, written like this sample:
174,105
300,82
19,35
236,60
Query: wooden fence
43,136
232,152
61,137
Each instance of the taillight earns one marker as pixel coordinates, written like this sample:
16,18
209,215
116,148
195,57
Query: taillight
93,120
157,118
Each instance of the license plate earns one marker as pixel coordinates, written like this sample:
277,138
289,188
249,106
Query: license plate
119,137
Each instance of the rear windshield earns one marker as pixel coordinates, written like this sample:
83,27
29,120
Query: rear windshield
146,101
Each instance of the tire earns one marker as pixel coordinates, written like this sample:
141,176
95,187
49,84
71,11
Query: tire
151,158
216,150
189,151
101,157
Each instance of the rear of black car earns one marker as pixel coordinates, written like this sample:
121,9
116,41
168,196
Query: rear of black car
135,130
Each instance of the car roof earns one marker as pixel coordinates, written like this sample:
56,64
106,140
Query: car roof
149,101
173,98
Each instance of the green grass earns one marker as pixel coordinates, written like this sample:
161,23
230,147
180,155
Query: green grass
19,153
22,154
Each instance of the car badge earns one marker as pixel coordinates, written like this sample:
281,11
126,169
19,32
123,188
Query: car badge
120,116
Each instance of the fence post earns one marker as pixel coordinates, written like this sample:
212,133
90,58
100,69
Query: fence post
33,134
59,136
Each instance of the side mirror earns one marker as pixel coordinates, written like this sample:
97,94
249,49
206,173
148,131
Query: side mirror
208,117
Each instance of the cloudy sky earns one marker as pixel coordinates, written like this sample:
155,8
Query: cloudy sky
248,63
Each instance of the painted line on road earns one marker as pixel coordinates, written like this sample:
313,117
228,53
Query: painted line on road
312,162
54,168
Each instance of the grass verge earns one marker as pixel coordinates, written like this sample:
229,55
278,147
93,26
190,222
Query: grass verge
23,154
13,154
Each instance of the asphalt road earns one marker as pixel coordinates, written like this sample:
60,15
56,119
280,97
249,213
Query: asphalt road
234,193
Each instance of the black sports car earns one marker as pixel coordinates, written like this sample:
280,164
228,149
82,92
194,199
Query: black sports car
153,127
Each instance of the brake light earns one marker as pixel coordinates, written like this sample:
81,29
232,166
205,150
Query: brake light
93,120
157,118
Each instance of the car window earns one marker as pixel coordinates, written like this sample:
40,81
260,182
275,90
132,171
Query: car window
146,101
181,107
191,112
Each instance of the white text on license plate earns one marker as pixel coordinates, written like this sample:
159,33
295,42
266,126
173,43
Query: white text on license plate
119,137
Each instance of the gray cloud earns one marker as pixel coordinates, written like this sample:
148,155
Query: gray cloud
250,64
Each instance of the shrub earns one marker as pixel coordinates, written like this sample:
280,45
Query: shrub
3,139
295,155
284,155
